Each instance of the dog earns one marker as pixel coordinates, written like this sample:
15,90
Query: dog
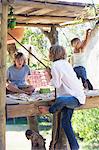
38,142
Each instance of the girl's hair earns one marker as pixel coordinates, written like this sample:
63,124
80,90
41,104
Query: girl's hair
18,55
57,52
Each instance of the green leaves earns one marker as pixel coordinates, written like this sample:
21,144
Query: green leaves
36,38
86,124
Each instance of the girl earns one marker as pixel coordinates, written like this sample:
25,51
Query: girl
79,59
70,92
16,76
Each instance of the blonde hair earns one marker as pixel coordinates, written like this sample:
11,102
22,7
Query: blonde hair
57,52
18,55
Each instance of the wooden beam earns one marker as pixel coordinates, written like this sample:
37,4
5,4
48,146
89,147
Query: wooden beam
76,22
32,109
61,25
43,5
51,19
42,11
3,50
22,9
52,5
91,102
44,17
39,25
21,110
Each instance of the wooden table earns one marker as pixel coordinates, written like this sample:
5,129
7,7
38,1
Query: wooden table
23,105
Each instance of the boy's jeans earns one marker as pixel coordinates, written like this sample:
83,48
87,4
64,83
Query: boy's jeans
67,104
81,73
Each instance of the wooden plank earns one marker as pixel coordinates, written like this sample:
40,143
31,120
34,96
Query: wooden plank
62,18
34,18
22,9
39,25
91,102
3,50
42,11
32,109
51,24
63,2
43,7
46,10
24,110
44,21
63,12
46,4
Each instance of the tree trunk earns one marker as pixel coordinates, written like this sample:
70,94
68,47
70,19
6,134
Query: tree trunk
52,35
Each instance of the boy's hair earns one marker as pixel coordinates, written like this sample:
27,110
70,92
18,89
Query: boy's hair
57,52
19,55
73,41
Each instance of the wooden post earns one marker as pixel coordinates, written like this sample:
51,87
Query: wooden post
3,49
33,123
32,120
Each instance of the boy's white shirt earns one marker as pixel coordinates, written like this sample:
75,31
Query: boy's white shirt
65,81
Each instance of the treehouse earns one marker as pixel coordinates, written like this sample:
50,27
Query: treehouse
47,15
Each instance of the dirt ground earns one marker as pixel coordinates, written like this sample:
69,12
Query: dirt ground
16,140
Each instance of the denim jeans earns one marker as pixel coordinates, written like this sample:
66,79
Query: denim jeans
68,101
67,104
81,73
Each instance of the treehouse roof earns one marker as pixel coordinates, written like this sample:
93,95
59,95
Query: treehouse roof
48,12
